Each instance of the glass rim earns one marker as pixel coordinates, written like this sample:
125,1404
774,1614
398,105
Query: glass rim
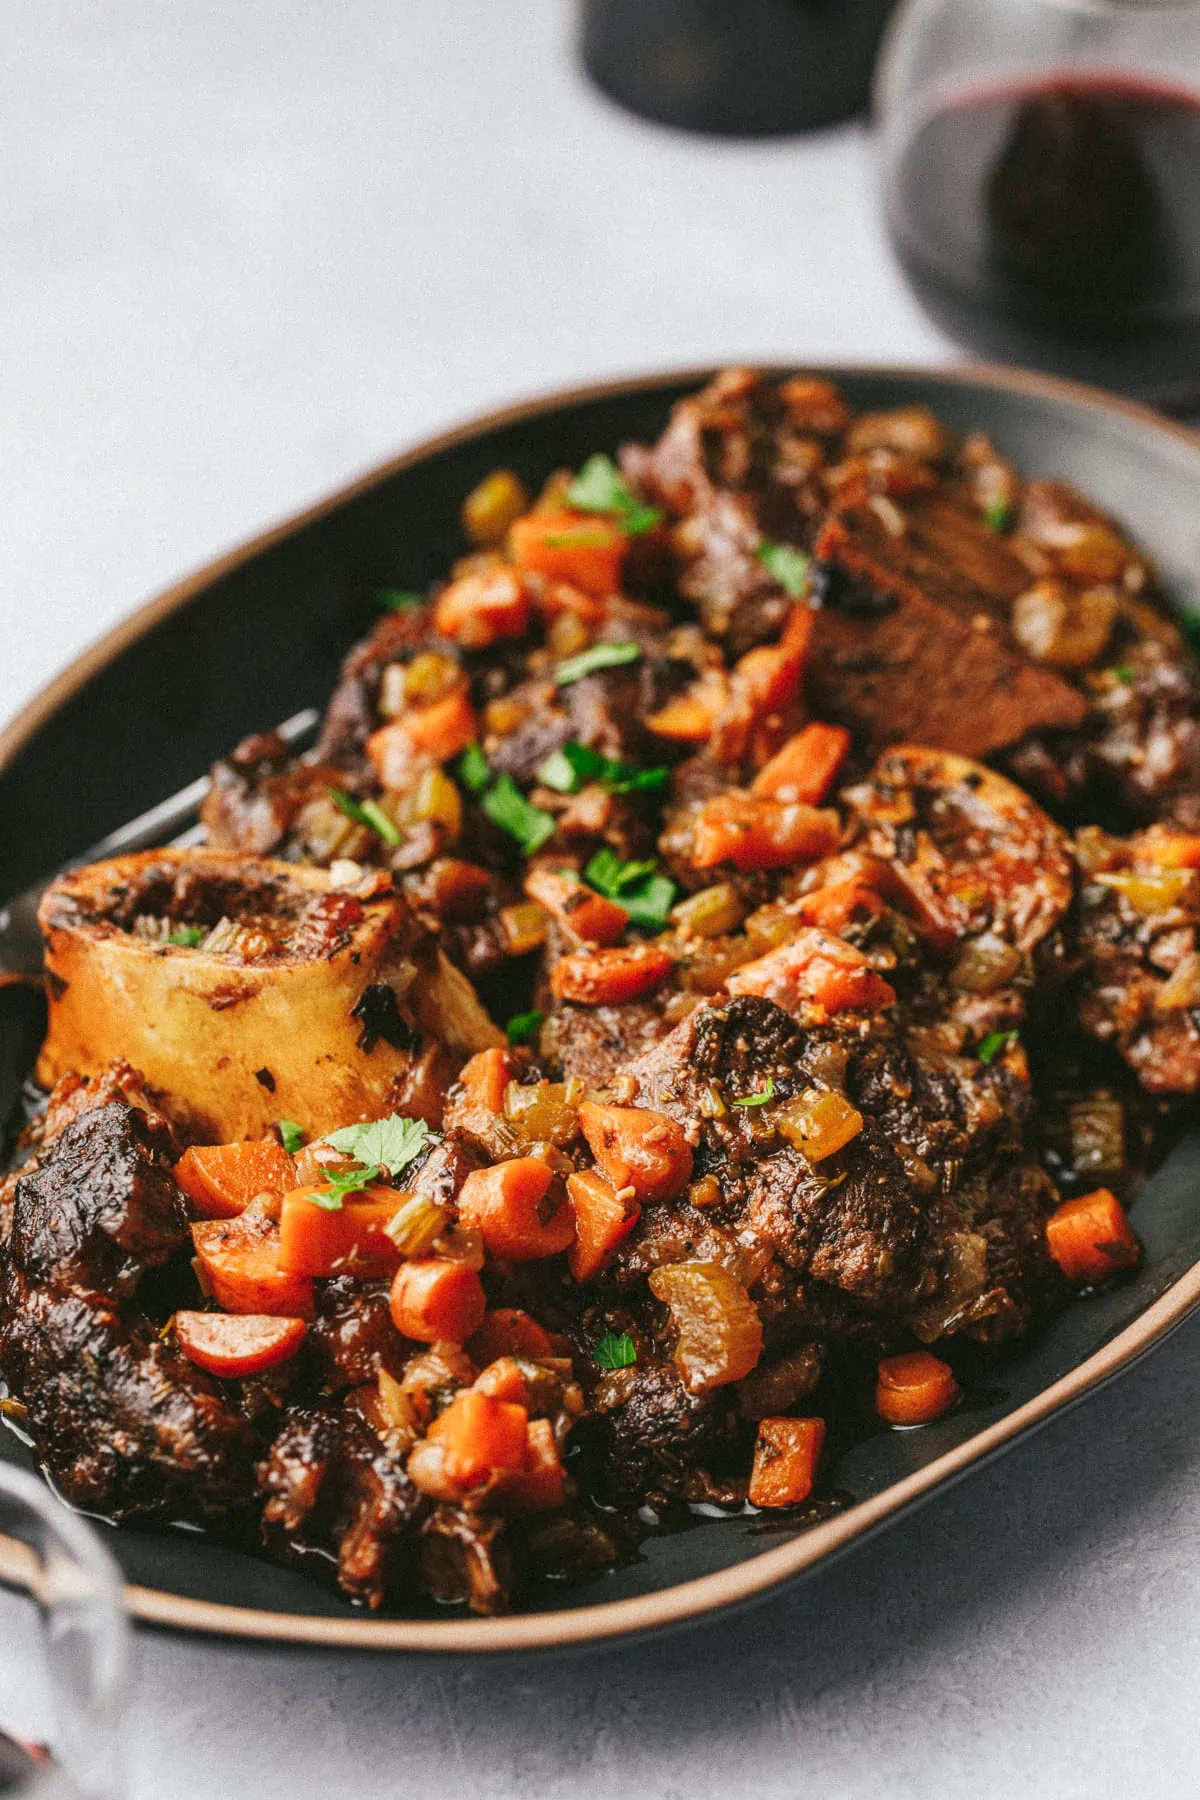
60,1528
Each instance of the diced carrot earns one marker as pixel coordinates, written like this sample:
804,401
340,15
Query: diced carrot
558,599
444,729
692,716
481,1438
585,549
607,977
457,890
233,1345
434,1299
478,1097
240,1263
518,1208
1171,849
767,677
587,915
482,607
638,1148
755,833
834,908
807,765
423,735
346,1240
1090,1238
503,1380
815,967
786,1457
507,1331
541,1486
914,1388
601,1222
222,1179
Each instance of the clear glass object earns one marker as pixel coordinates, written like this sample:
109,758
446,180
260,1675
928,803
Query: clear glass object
1041,181
79,1635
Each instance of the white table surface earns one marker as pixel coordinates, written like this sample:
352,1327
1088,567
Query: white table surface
247,250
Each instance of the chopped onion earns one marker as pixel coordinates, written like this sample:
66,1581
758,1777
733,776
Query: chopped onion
1062,628
719,1331
1096,1128
1182,986
710,913
818,1123
984,964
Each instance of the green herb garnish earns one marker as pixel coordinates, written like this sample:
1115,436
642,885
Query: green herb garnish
994,1044
365,812
1123,673
572,767
788,566
291,1135
398,599
503,802
187,936
646,895
522,1027
761,1098
392,1143
600,487
615,1352
472,769
1189,625
349,1181
600,656
507,807
998,515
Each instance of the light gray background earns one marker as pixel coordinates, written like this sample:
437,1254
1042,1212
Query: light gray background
247,248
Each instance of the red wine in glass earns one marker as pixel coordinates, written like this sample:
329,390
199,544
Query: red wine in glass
1058,224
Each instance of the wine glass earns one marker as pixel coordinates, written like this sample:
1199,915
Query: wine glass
81,1637
1041,181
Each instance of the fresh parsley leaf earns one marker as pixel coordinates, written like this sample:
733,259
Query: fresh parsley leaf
615,1352
600,487
1189,624
341,1186
611,877
646,895
994,1044
390,1143
572,767
398,599
187,936
291,1135
761,1098
580,537
1123,673
600,656
998,515
472,769
522,1027
365,812
788,566
507,807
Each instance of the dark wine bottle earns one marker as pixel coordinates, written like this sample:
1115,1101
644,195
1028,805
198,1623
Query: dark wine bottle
736,68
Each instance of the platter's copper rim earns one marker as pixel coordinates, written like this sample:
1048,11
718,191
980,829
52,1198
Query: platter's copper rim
770,1568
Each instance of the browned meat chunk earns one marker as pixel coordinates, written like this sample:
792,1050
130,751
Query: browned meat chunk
912,640
125,1424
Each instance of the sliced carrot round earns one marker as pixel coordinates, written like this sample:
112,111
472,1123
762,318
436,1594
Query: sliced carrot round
233,1345
638,1148
516,1209
434,1299
221,1180
914,1388
608,977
